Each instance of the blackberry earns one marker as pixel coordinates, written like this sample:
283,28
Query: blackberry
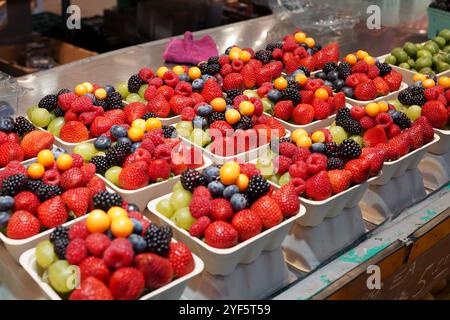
203,66
169,131
343,114
284,139
350,125
100,103
305,70
213,60
157,239
292,84
228,101
23,126
344,69
14,184
113,101
101,164
60,247
412,96
213,69
167,230
329,66
233,93
216,116
149,115
49,102
134,83
191,179
384,68
270,47
244,123
33,185
291,94
264,56
402,121
331,149
105,200
59,232
58,112
335,163
349,149
62,91
117,153
46,191
279,45
257,187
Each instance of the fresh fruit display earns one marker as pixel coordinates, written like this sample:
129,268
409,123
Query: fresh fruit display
428,97
19,140
428,58
132,157
228,204
360,76
118,254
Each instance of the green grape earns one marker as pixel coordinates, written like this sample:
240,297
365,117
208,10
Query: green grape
86,150
142,100
142,90
206,138
45,255
52,116
267,104
395,103
62,276
40,117
251,94
133,97
54,127
100,153
357,139
414,112
183,133
183,218
338,133
165,208
196,136
177,186
122,88
284,179
112,174
180,199
265,165
30,110
274,179
187,125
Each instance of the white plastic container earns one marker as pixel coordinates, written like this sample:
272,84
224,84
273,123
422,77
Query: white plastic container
171,291
224,261
443,145
142,196
390,96
435,170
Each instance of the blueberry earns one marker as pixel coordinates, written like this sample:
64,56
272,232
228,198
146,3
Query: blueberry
320,75
332,75
304,45
6,124
109,89
211,173
318,147
198,84
310,51
296,72
4,218
137,226
216,188
206,77
135,146
138,243
90,95
274,95
118,131
230,191
184,77
200,122
418,84
290,78
328,83
338,84
109,234
102,143
394,114
6,203
228,107
238,202
125,141
433,77
347,91
133,207
204,110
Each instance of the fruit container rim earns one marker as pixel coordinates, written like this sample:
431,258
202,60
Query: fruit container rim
355,102
152,208
207,162
28,261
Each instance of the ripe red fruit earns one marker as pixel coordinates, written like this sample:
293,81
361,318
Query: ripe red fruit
303,114
359,168
91,289
365,91
134,176
157,270
376,158
299,170
127,284
436,113
79,230
416,137
367,122
181,259
198,228
119,254
384,120
35,141
159,106
268,211
340,180
52,212
318,187
97,243
77,200
74,131
76,251
27,201
178,103
394,80
94,267
221,234
316,162
221,210
357,112
287,199
211,90
247,223
374,136
22,225
72,178
10,151
283,110
428,132
322,109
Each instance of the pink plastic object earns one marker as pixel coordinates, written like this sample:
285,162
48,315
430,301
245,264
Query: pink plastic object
188,50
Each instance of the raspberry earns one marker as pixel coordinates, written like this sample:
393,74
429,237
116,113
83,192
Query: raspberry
187,114
393,130
51,177
282,164
301,154
384,120
94,267
221,209
148,145
299,185
157,136
97,243
299,170
249,169
198,228
367,122
316,162
287,149
183,88
163,151
78,231
127,284
146,74
77,160
199,207
76,251
119,254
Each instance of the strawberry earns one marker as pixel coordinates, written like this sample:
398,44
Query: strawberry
221,127
88,170
339,100
275,67
26,200
360,67
436,113
198,228
22,224
94,267
91,289
117,116
181,259
428,132
321,108
356,78
157,270
318,187
158,169
308,96
159,106
133,111
52,212
247,223
187,114
221,210
166,91
178,103
233,81
248,73
283,110
340,180
330,53
359,168
263,75
127,284
416,137
225,70
95,185
376,158
381,86
71,116
72,178
394,80
35,141
65,100
431,93
100,125
268,211
373,71
74,131
81,104
374,136
287,200
211,90
276,128
10,151
221,234
365,91
134,176
77,200
400,144
308,62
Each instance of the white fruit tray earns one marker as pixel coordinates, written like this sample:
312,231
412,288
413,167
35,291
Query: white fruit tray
435,170
310,127
224,261
408,75
142,196
171,291
443,146
393,169
165,121
389,96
